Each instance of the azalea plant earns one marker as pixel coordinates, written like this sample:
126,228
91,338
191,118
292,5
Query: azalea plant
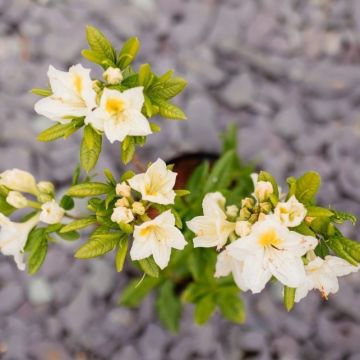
229,230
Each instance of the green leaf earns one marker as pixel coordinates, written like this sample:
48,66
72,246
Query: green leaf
154,127
37,255
231,307
197,181
265,176
128,52
345,248
61,130
88,189
341,216
35,236
127,150
145,75
149,267
322,249
168,307
169,110
289,297
98,245
90,148
69,236
6,208
110,176
121,253
194,292
41,92
100,45
351,247
67,202
182,192
93,56
303,229
137,290
169,89
127,175
315,211
78,224
229,138
221,174
204,309
307,186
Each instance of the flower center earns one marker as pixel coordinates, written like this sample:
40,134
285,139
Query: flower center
115,107
269,238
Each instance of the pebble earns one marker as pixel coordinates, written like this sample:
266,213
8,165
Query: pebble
39,291
11,295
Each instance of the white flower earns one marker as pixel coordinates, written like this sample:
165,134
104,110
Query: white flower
138,208
272,249
211,229
13,237
122,214
112,75
156,184
119,114
19,180
263,189
322,274
156,237
46,187
242,228
72,95
16,199
227,264
232,210
123,202
51,212
123,189
290,213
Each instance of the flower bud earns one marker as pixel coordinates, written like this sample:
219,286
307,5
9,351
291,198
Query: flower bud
138,208
265,207
248,203
19,180
254,218
16,199
112,75
51,212
244,214
242,228
122,215
46,187
232,210
124,202
123,189
96,85
263,189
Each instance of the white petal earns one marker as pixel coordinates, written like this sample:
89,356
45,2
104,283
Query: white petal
175,238
96,119
137,123
213,205
134,98
137,182
303,290
161,253
115,130
56,110
61,83
223,265
256,273
340,267
167,218
140,249
205,241
287,268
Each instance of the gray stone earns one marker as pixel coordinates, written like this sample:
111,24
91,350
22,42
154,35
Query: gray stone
39,291
102,277
128,352
153,342
12,297
290,122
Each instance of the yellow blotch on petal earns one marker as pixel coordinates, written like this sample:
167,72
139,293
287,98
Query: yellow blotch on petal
114,106
269,238
78,84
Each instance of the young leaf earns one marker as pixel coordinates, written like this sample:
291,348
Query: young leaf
100,45
169,110
69,236
204,309
127,150
90,148
149,267
128,52
145,75
265,176
121,253
98,245
78,224
88,189
169,89
289,297
61,130
6,208
41,92
307,186
67,202
316,211
137,290
347,249
341,216
168,307
229,138
92,56
37,253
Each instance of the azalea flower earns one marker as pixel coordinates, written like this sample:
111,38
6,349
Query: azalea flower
290,213
156,184
112,75
242,228
271,249
52,212
13,237
46,187
19,180
263,189
211,229
122,214
157,237
72,95
322,274
119,114
123,189
227,264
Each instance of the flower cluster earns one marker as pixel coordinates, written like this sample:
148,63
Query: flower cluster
261,240
20,190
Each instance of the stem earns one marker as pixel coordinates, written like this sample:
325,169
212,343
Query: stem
138,164
34,204
74,217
